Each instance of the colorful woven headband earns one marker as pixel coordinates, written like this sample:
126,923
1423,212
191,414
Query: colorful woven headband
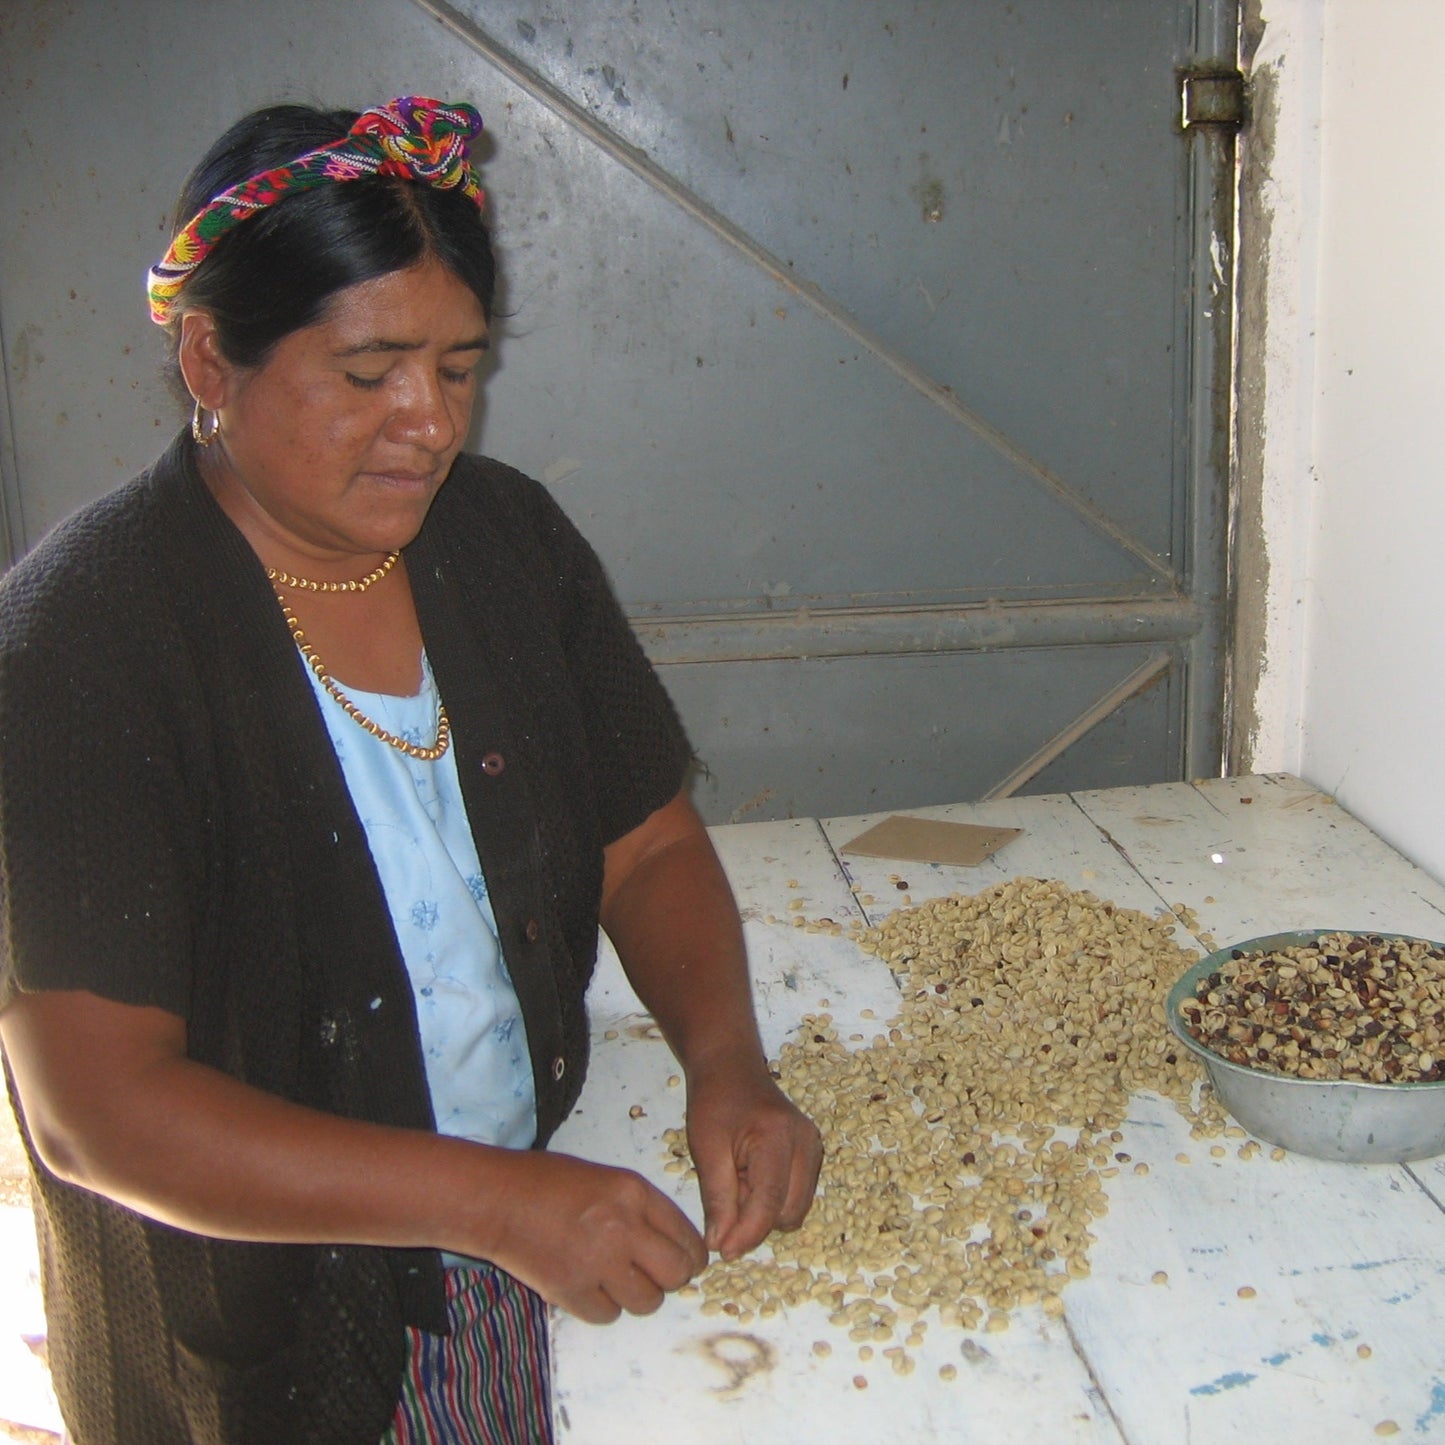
412,137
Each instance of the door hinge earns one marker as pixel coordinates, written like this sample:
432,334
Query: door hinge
1211,96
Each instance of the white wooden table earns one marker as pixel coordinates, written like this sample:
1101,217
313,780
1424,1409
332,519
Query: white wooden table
1339,1256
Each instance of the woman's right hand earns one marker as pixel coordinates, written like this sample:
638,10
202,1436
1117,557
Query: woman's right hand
593,1239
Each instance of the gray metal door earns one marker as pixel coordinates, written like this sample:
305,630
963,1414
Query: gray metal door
881,348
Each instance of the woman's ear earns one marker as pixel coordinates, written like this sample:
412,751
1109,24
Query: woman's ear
206,371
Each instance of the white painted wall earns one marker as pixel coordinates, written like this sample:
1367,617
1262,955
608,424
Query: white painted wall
1352,694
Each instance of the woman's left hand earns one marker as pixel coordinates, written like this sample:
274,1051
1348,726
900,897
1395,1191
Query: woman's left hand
757,1157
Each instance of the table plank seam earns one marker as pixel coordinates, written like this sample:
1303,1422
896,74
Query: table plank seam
1096,1384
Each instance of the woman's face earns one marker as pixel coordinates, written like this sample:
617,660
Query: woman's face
336,446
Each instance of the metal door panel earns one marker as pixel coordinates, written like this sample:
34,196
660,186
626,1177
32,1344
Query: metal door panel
993,189
751,454
855,735
1027,406
919,378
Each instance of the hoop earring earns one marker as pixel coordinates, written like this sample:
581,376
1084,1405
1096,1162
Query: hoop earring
202,434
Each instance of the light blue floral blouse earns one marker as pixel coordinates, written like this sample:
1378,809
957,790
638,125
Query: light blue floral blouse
473,1037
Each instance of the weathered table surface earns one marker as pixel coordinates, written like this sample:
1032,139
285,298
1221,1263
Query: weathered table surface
1339,1255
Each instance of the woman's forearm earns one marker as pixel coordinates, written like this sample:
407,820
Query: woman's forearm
115,1106
675,925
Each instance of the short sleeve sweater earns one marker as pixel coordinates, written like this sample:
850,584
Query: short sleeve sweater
175,831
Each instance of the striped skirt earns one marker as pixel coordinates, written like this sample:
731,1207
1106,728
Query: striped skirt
488,1382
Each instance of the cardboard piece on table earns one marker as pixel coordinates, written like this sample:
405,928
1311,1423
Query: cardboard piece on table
924,840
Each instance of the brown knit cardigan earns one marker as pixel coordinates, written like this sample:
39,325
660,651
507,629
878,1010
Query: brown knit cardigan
175,831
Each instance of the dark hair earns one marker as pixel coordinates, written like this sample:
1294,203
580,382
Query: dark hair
275,273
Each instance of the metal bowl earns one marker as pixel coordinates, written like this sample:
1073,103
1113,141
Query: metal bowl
1341,1119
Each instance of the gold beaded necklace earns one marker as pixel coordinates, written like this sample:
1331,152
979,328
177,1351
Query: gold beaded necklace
360,584
412,750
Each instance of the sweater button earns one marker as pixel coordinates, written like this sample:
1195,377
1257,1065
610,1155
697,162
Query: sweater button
493,764
532,932
559,1067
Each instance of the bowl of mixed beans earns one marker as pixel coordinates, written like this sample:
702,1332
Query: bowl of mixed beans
1328,1042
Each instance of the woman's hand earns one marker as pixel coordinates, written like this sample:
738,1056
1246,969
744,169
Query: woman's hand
757,1157
668,909
592,1239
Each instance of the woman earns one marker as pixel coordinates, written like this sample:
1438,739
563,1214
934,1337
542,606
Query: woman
323,750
